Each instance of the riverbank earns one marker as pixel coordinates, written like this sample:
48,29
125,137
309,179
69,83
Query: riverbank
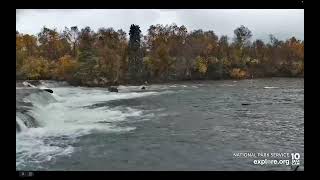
106,84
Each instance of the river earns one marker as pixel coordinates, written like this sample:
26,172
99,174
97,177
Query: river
183,126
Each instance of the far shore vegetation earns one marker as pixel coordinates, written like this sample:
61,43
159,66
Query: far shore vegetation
166,53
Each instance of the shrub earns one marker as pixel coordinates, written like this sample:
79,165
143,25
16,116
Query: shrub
297,69
201,65
238,73
66,67
35,68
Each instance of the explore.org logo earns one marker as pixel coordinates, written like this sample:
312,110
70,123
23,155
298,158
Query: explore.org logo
288,159
271,162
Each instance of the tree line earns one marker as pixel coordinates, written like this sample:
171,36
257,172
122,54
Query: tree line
165,53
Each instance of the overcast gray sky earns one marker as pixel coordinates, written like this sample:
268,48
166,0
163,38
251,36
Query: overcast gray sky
283,23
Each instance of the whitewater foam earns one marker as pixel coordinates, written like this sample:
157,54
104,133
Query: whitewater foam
52,84
64,114
227,85
271,87
25,83
21,124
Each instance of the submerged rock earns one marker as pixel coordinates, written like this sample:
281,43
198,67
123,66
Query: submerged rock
113,89
48,90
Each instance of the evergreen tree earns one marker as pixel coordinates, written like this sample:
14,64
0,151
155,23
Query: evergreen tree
135,55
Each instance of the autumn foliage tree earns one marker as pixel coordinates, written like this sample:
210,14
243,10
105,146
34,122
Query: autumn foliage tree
166,52
35,68
66,67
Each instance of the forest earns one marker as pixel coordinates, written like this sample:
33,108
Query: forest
166,53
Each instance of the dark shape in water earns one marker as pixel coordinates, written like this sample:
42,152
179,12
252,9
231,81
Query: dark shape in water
113,89
48,90
143,88
18,129
245,104
108,122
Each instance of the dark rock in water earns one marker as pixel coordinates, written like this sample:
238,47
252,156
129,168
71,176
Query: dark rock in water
143,88
245,104
113,89
48,90
104,122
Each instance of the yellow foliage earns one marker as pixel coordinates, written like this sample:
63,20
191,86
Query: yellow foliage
201,65
66,66
35,68
237,73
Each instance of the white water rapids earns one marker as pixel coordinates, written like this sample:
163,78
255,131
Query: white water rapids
64,115
174,126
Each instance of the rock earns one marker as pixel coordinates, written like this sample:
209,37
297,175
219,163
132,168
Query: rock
48,90
113,89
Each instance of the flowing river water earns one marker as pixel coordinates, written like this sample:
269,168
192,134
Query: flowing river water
183,126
